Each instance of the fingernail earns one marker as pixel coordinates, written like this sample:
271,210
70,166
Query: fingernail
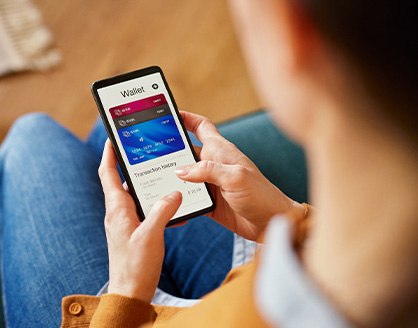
175,195
183,170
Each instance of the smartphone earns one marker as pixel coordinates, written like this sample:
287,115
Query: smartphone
150,141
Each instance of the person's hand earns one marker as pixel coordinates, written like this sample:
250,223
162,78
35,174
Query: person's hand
136,250
245,199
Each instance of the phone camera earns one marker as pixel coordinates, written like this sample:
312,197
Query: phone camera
155,86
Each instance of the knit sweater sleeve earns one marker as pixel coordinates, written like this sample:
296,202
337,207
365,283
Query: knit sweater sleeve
107,311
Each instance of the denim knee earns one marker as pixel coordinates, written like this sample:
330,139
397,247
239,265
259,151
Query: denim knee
24,135
30,123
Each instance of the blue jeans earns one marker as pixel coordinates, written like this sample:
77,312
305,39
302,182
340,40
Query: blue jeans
51,220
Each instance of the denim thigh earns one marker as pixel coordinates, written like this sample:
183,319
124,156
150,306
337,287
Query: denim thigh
52,211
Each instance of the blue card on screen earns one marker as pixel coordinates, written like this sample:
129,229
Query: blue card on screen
151,139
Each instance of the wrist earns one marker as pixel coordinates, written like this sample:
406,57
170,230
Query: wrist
130,291
291,207
300,209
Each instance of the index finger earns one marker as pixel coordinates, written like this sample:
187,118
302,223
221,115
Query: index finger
201,126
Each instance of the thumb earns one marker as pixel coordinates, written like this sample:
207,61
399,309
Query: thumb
208,171
162,211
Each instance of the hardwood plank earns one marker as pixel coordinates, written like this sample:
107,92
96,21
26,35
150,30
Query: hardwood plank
192,40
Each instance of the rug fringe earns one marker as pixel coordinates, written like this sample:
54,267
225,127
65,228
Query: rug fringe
24,40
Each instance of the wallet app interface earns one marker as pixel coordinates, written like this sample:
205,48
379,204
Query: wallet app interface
152,142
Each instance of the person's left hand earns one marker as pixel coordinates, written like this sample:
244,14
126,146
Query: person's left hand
136,250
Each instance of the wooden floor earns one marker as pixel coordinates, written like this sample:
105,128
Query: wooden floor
192,40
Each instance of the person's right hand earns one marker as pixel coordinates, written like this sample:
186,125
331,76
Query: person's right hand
245,199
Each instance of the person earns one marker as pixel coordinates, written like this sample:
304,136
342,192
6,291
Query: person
340,79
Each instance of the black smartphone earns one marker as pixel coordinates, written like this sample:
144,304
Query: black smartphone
150,141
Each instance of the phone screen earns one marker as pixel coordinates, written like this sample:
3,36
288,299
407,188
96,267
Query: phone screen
142,117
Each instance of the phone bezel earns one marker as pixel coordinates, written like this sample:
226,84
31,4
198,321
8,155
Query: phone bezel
130,76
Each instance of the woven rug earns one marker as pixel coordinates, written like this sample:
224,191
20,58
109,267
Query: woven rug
25,43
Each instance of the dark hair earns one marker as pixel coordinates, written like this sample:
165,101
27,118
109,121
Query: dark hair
380,39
